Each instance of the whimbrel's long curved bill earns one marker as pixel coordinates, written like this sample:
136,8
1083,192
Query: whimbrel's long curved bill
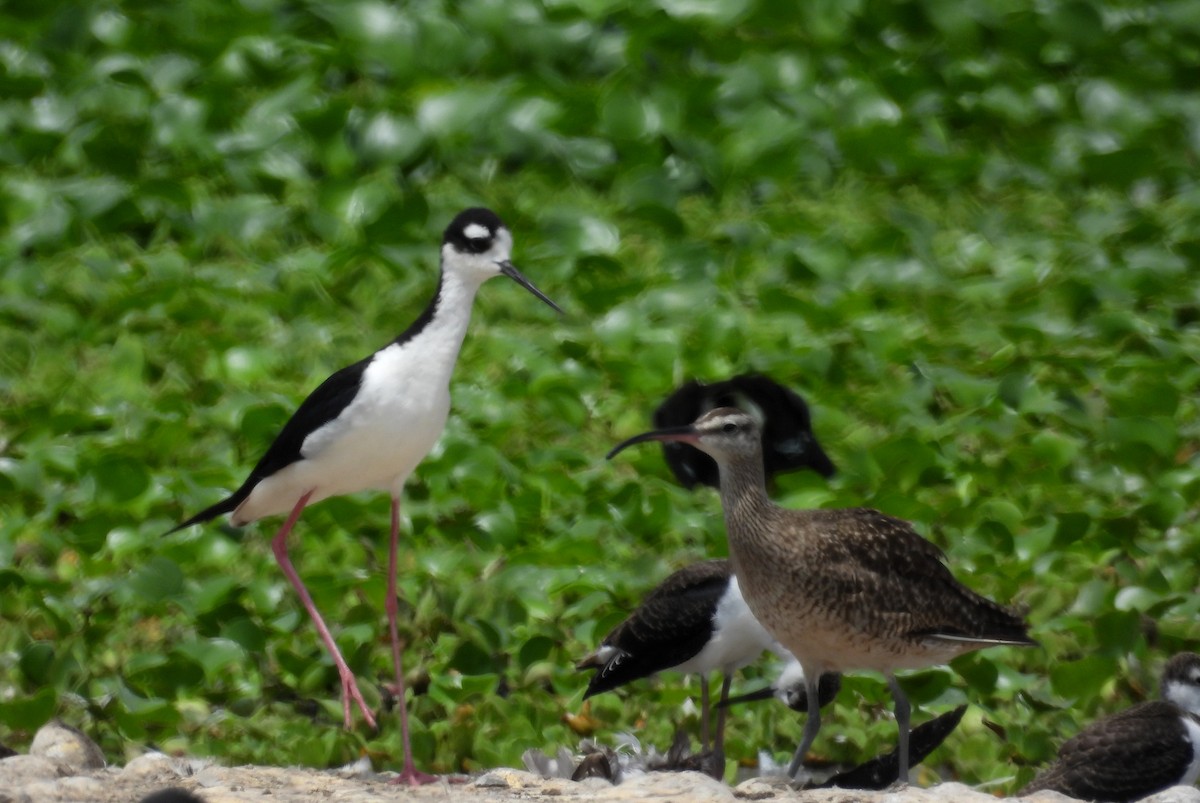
685,434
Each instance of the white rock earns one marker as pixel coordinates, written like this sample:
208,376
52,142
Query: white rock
694,787
41,791
953,792
507,779
151,766
762,788
211,776
73,788
16,771
555,787
1047,796
595,785
82,787
68,746
358,769
1176,794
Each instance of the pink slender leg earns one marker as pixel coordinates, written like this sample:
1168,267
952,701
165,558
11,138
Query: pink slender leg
349,687
410,774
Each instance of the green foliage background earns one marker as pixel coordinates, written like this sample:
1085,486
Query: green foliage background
966,230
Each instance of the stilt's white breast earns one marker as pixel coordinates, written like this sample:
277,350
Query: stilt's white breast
1193,736
396,417
393,422
374,444
738,638
1184,695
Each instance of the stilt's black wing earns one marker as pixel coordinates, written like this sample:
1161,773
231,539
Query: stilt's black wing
323,405
670,626
882,771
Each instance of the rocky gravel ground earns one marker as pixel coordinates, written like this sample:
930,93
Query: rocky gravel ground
63,766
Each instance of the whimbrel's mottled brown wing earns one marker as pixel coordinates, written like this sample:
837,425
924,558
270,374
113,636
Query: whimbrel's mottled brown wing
899,580
1126,756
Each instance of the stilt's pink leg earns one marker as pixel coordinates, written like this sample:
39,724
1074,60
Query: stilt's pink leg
410,774
349,687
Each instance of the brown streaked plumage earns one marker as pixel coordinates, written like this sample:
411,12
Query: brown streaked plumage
840,589
1136,752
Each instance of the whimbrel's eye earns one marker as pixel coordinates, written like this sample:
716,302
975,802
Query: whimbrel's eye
730,427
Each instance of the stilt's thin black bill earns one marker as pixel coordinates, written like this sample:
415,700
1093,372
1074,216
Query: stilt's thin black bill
765,693
686,434
510,270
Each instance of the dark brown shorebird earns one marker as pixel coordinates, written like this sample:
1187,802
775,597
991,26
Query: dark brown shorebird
849,589
696,620
1137,752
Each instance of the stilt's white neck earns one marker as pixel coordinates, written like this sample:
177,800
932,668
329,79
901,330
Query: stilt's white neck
1184,695
439,342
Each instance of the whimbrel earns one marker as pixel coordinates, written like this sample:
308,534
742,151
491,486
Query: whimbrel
696,619
848,589
368,425
1138,751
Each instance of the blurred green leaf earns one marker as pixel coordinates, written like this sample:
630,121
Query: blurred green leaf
1082,679
159,579
30,712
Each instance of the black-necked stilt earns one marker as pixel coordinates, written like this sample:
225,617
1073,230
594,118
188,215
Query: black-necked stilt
839,589
1139,751
368,425
694,621
788,440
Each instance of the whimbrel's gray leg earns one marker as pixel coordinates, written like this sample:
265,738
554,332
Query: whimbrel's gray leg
812,724
704,711
903,717
719,744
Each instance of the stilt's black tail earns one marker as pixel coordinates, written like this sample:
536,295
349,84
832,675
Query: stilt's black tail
224,506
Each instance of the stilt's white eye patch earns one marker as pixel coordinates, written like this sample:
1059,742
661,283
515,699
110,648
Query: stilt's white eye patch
475,231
